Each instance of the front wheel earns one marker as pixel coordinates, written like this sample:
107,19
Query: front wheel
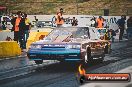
101,59
38,61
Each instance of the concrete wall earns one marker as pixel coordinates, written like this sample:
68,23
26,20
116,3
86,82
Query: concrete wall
83,20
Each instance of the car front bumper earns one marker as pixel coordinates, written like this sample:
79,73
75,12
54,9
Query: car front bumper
67,55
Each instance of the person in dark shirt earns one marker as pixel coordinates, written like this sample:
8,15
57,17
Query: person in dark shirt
129,27
13,19
121,25
22,28
4,23
0,18
74,22
0,22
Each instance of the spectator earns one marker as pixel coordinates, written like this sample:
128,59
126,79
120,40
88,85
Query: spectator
74,22
68,20
36,23
105,24
129,27
93,22
0,18
35,18
16,27
121,25
100,22
13,19
22,29
59,18
27,28
4,23
0,22
19,29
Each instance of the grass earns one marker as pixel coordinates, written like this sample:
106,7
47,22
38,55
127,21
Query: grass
88,7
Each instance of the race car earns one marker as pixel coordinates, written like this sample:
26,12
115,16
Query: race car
68,44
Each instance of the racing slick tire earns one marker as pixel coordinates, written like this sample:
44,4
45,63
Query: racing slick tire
106,50
89,57
38,61
101,59
109,49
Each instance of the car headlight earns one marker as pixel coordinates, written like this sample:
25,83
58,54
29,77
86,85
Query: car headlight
73,46
35,46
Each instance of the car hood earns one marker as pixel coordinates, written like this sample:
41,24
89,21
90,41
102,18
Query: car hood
49,42
73,41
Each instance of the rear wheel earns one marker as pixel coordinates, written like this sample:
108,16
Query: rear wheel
38,61
101,59
88,54
109,49
106,50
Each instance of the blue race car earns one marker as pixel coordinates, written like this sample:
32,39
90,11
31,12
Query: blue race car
67,44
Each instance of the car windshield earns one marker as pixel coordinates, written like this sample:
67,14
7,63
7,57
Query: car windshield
81,32
75,32
94,34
